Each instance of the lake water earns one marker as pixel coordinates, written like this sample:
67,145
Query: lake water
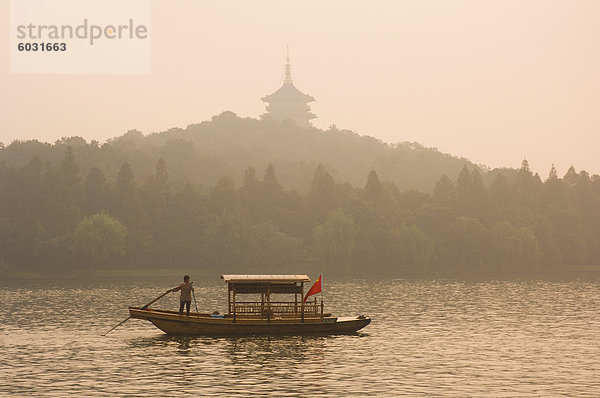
427,338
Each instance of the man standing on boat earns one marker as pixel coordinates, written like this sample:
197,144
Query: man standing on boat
186,294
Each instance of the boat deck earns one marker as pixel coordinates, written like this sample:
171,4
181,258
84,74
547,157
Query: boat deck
207,324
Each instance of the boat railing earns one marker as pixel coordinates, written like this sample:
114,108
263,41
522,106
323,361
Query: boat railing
274,310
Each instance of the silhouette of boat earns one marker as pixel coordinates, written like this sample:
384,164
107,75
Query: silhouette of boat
295,317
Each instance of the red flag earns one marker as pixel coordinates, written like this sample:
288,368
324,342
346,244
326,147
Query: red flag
316,288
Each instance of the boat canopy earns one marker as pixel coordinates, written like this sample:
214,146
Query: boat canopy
265,278
266,285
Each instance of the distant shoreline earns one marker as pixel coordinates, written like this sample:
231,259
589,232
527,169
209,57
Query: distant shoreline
585,271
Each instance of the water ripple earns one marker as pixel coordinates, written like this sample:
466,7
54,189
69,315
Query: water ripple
428,338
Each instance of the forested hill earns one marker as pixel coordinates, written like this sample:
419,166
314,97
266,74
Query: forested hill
207,199
227,145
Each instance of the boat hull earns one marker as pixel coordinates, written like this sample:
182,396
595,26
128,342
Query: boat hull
204,324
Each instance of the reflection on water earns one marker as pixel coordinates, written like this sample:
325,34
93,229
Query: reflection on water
444,338
240,350
163,340
265,349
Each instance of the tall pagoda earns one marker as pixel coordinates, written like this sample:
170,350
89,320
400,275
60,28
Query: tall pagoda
289,103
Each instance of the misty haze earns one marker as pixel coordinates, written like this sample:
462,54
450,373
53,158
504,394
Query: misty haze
390,198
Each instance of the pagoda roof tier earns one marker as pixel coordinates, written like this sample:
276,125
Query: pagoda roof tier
284,116
288,92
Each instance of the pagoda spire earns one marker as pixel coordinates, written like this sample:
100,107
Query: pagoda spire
289,103
288,68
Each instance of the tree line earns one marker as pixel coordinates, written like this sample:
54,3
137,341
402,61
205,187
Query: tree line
228,145
54,217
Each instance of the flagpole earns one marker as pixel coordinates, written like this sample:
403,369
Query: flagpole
322,312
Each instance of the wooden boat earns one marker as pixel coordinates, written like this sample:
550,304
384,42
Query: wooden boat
256,317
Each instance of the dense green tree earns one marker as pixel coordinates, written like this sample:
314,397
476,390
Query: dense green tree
322,196
374,189
334,241
233,243
250,193
272,191
127,204
471,195
417,248
500,191
156,199
99,237
97,193
464,184
223,197
443,193
514,248
129,210
530,253
410,200
527,187
162,175
62,210
570,179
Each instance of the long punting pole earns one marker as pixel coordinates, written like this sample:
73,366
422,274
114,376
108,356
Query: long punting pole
119,324
195,303
144,307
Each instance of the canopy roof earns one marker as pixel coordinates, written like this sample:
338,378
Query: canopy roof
288,92
265,278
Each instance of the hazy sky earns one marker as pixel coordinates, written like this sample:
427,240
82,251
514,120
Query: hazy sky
493,81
